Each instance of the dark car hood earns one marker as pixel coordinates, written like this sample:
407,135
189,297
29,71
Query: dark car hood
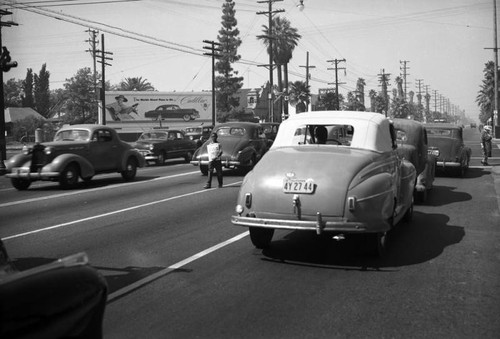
332,169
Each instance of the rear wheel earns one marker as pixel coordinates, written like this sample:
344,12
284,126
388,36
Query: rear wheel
409,213
380,240
188,156
261,237
130,170
186,117
20,184
69,177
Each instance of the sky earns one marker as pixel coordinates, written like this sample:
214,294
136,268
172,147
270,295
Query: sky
444,44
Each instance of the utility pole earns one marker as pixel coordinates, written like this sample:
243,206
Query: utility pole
435,101
214,55
270,36
93,48
404,74
6,64
103,62
336,62
307,66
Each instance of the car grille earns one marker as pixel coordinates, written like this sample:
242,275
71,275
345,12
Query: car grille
38,158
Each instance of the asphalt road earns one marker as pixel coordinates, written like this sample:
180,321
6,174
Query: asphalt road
177,268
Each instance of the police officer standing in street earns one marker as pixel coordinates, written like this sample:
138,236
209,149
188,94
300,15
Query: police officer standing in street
214,150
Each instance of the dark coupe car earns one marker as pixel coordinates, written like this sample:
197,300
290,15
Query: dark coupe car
77,151
243,145
161,144
447,144
413,146
173,112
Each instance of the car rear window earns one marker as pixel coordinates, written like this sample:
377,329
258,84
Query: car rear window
233,131
439,132
339,135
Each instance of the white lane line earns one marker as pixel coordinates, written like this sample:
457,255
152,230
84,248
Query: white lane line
173,267
109,213
19,202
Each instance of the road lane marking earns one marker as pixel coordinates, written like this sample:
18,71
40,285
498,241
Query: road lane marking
121,292
19,202
111,213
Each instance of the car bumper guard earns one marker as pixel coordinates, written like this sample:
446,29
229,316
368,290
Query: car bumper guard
319,225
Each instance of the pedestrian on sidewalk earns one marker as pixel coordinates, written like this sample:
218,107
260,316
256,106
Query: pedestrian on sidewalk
214,150
486,144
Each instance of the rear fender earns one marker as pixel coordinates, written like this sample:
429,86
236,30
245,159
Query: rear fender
134,154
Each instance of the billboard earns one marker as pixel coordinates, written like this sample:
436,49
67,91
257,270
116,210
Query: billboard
128,106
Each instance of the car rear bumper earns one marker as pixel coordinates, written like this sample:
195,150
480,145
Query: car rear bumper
448,164
339,225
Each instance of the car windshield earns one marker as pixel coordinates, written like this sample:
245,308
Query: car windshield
323,134
72,135
153,135
231,131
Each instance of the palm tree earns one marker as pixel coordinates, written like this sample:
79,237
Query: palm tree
285,38
299,95
135,84
486,96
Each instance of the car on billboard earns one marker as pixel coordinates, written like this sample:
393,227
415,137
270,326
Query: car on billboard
172,112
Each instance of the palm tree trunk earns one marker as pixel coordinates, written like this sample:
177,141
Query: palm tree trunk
280,89
285,71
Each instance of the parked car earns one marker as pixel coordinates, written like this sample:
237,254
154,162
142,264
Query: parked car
199,134
77,151
173,112
270,129
359,186
412,145
447,144
243,145
65,298
159,145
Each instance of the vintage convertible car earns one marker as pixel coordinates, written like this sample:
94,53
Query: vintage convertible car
77,151
62,299
159,145
172,112
358,185
243,145
412,145
447,144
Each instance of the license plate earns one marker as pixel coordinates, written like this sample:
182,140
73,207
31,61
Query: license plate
304,186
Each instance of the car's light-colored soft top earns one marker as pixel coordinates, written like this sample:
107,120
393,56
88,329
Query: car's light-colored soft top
371,130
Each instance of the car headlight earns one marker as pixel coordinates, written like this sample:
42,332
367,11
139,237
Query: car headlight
26,150
48,150
151,147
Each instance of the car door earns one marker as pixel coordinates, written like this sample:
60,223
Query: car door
104,151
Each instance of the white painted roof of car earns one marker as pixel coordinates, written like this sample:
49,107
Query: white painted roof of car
371,130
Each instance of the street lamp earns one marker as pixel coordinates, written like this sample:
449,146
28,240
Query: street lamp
301,5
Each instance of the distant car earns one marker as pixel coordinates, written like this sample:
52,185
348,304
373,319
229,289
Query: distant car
159,145
413,146
77,151
473,125
199,134
356,186
243,145
173,112
447,144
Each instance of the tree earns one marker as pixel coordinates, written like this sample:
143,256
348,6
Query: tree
299,95
377,102
12,93
135,84
285,38
328,101
28,99
42,92
486,96
227,83
80,103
